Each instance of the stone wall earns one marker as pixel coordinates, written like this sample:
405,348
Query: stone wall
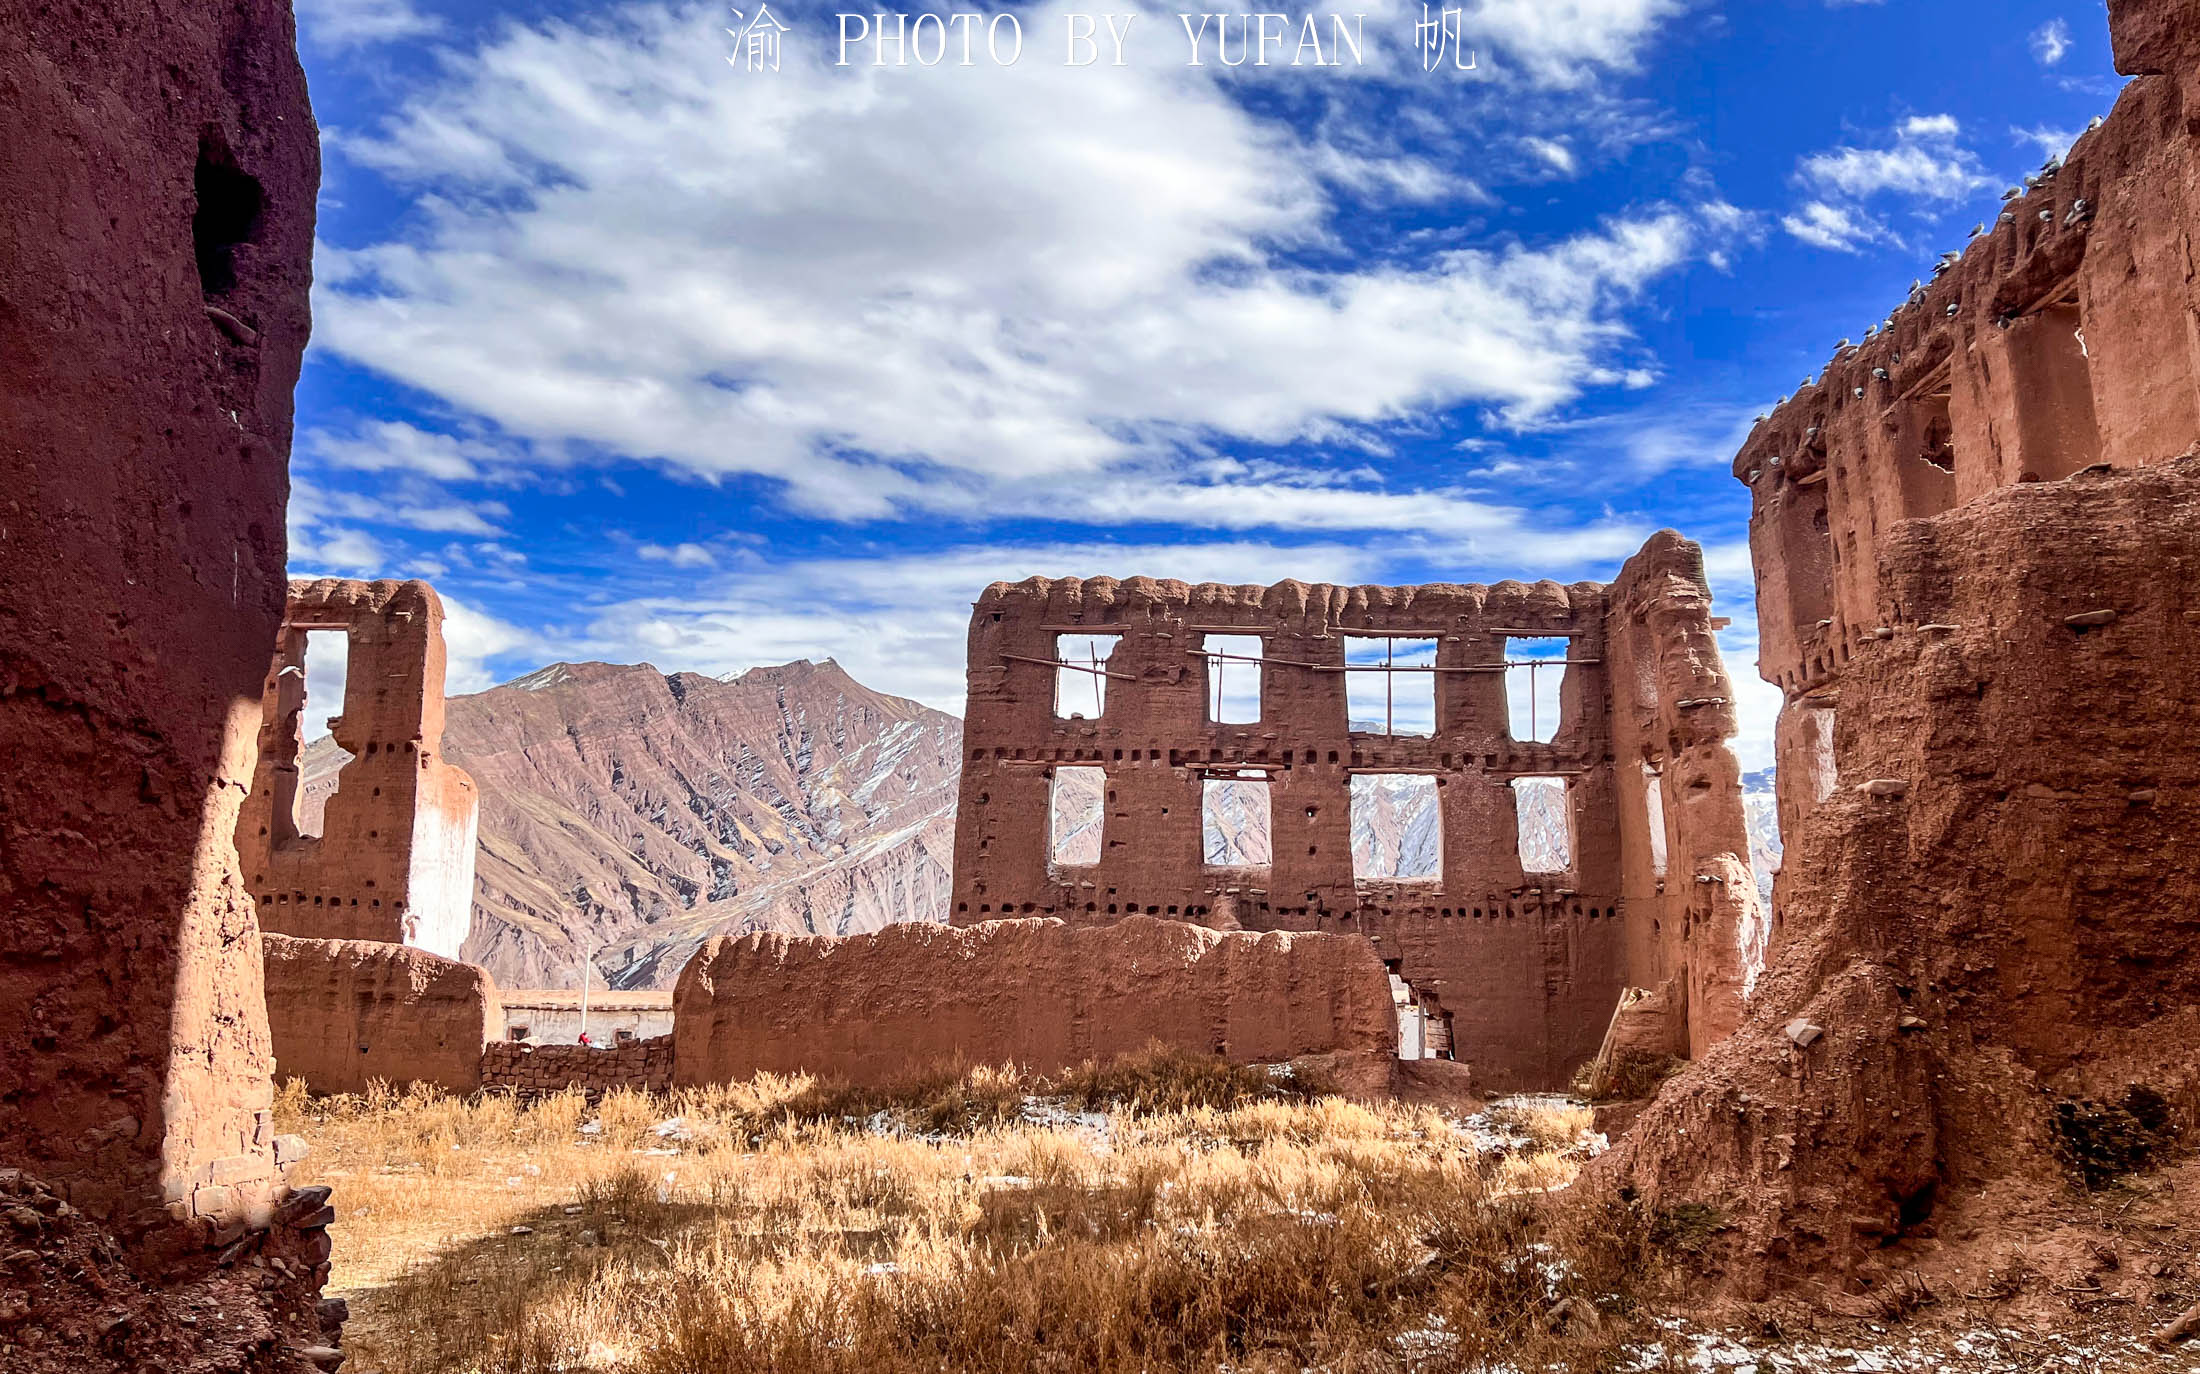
642,1065
875,1009
159,170
1530,965
345,1012
394,861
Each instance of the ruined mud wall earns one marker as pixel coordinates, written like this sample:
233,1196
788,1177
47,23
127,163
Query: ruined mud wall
395,857
159,166
1993,913
344,1012
2060,338
1977,541
1696,929
1529,965
875,1009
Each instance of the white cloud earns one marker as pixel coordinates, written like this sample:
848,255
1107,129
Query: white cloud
889,289
2050,142
1554,152
334,551
473,639
351,23
1924,166
1925,163
397,446
901,624
1830,226
679,555
2051,43
1564,41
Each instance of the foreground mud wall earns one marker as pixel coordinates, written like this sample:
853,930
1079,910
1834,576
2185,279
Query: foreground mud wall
159,165
2062,337
874,1009
1978,553
344,1012
394,860
1994,912
1528,965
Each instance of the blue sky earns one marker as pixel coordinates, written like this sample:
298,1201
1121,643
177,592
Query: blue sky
639,356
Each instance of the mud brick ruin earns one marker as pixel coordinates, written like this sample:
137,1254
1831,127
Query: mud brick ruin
157,230
1977,540
394,861
2061,340
346,1012
876,1009
1527,965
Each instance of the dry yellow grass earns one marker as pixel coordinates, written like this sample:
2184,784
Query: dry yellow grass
1166,1214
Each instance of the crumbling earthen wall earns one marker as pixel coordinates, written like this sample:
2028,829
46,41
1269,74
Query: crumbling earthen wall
2060,338
640,1065
344,1012
1696,929
877,1009
159,165
1978,550
1528,965
1992,912
395,857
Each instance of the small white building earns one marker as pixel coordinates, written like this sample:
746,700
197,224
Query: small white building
552,1016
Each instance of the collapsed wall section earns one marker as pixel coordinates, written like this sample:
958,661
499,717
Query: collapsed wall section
1696,927
878,1009
394,860
2060,338
159,168
2014,854
346,1012
1976,542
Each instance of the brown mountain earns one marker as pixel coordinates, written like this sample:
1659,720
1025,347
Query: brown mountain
640,814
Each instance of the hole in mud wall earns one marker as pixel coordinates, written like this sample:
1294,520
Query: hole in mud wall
1535,673
1806,549
1926,440
2053,384
1424,1027
227,215
1397,828
1075,809
1814,738
1234,822
1546,824
1390,685
1081,680
1653,802
327,662
1233,679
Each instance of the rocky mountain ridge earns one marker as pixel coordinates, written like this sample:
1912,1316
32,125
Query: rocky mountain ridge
628,815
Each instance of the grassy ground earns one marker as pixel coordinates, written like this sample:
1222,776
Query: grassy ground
1160,1214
